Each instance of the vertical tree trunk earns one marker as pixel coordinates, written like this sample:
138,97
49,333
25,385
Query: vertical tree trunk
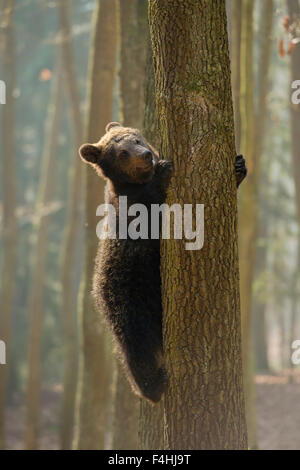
236,23
265,46
259,329
251,146
68,253
36,295
9,224
204,405
94,367
133,22
133,34
294,308
151,432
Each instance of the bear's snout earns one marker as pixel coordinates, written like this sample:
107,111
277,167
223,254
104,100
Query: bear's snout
147,156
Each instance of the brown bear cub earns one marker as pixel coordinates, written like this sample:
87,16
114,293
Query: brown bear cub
127,285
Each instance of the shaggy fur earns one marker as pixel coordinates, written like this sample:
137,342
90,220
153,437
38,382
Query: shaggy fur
127,285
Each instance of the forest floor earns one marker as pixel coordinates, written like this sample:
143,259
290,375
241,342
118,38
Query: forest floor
278,410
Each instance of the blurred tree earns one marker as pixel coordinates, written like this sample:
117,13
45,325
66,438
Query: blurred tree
133,46
151,432
263,85
252,133
36,306
294,17
9,223
71,235
201,321
294,14
35,55
93,393
259,301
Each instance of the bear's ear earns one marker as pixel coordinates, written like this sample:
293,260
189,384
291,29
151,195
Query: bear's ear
90,153
112,124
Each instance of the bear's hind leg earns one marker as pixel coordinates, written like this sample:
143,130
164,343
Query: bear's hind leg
144,363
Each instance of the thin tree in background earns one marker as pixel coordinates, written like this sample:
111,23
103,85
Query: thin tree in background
94,367
133,46
9,223
252,135
294,14
151,429
204,404
265,45
259,327
36,295
71,236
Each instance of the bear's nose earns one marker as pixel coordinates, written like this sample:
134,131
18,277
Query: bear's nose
147,156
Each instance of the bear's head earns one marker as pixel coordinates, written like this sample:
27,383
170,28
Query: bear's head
122,155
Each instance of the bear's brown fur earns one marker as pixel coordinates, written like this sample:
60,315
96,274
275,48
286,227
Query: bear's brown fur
127,272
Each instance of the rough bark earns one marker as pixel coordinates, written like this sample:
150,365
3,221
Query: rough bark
251,146
94,367
204,405
69,311
36,295
236,22
133,34
9,223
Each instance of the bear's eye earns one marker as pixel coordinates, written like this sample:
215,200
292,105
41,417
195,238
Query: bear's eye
123,154
138,142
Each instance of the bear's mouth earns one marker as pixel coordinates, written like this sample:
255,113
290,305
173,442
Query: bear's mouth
144,173
145,167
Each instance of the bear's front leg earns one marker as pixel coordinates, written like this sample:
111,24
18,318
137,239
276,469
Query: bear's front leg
240,169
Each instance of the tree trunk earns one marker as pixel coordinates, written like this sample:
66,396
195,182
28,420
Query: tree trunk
133,34
259,329
204,404
94,375
69,311
251,146
236,22
133,22
151,431
9,224
294,309
36,295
